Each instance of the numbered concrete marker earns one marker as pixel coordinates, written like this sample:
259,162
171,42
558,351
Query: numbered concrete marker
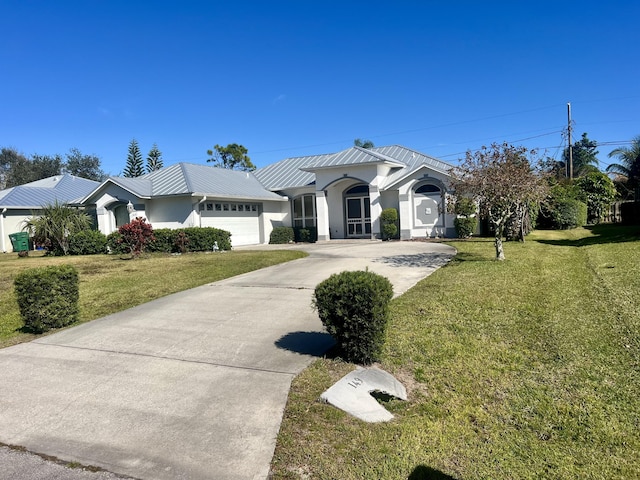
352,393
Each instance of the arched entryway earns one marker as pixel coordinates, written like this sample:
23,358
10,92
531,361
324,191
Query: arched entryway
428,211
358,212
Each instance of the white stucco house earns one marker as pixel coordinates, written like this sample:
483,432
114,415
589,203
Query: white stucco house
341,195
21,203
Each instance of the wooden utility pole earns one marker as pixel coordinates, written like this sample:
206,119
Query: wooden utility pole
570,141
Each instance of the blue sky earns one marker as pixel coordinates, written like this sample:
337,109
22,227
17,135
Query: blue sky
293,78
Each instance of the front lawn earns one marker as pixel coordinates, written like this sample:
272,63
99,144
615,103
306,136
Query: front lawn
528,368
109,284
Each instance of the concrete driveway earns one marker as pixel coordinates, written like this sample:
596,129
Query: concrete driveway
192,385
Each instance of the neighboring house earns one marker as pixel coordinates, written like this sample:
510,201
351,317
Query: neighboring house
343,194
189,195
18,204
340,194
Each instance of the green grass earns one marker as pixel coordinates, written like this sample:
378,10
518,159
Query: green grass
109,284
528,368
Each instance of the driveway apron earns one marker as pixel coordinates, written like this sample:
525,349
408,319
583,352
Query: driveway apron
192,385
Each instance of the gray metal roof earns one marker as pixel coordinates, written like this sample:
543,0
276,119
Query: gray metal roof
298,171
352,156
66,189
192,179
287,173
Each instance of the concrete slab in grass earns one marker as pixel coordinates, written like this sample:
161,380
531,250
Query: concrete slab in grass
352,393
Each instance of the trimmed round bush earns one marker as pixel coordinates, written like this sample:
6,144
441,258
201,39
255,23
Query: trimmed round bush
281,235
48,297
87,242
465,226
354,308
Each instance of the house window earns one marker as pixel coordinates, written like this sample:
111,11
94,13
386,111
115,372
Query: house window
241,208
209,207
427,189
304,211
225,207
218,207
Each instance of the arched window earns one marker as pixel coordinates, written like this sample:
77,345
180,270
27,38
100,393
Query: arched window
427,189
358,190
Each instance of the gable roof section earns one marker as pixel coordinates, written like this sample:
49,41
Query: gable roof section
65,188
413,160
298,171
192,179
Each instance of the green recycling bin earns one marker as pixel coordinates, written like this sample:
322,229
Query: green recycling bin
20,241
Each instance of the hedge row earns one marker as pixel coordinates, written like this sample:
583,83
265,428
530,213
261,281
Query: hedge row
191,239
281,235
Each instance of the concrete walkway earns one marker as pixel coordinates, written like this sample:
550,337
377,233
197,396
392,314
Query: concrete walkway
192,385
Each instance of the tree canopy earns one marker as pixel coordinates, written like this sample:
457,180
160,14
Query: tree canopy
627,171
85,166
154,159
17,169
134,166
503,180
233,157
585,156
598,192
358,142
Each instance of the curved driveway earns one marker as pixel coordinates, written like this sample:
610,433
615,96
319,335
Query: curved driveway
192,385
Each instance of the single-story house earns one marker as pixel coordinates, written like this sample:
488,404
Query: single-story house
340,194
343,194
189,195
21,203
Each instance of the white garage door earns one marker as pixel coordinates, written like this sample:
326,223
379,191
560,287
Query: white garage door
241,219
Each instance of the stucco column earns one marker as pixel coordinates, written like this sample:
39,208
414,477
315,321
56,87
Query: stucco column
406,216
376,211
322,215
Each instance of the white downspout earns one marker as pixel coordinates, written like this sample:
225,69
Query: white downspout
204,199
2,241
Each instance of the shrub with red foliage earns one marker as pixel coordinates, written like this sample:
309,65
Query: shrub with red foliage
136,235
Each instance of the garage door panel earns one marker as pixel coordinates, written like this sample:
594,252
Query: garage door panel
245,230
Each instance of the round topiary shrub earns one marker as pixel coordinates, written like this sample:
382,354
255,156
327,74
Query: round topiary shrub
354,308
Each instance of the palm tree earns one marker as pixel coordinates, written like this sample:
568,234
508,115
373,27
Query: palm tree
55,224
627,172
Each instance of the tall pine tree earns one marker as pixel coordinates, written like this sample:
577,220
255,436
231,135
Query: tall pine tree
154,159
134,166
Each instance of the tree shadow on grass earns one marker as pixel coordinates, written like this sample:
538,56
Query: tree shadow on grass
306,343
422,472
417,260
602,234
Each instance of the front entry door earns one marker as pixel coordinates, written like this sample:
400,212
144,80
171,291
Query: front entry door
358,217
